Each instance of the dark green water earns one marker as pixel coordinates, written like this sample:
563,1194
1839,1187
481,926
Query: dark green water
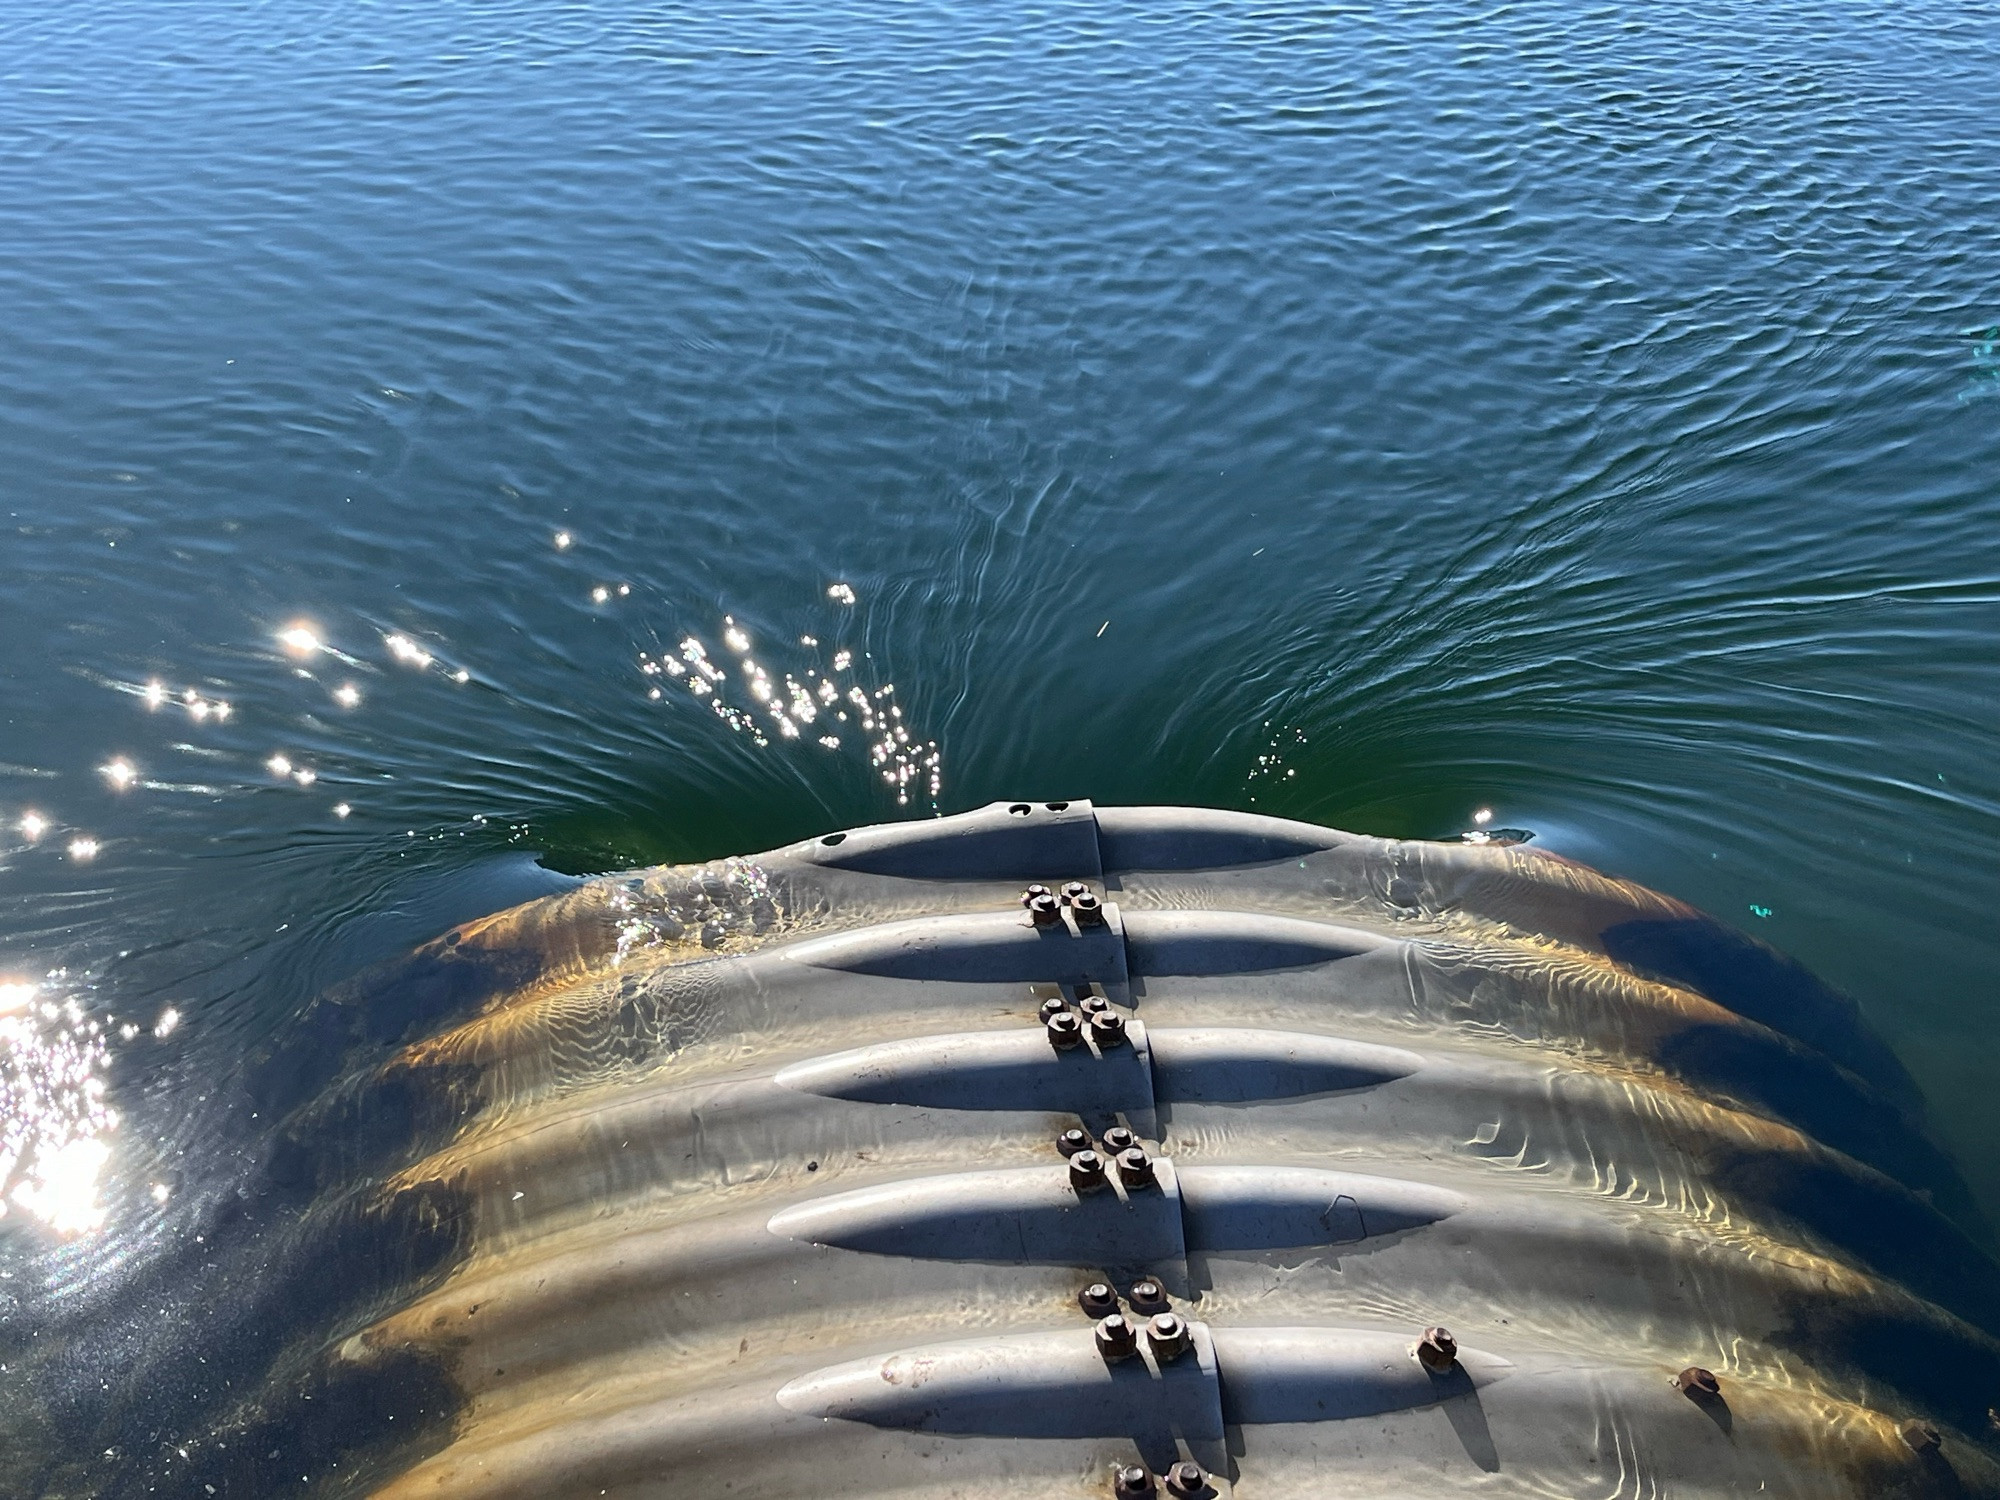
1366,415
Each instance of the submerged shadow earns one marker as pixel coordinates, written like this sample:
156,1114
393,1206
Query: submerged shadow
1459,1398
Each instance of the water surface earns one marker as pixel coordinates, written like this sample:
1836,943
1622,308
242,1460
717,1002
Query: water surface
1385,416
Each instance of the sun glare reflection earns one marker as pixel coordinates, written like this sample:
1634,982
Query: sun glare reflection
786,703
52,1112
407,651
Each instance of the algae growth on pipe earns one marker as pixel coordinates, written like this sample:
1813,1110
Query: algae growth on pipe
764,1179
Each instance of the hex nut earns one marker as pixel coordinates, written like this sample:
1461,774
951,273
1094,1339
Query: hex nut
1135,1167
1118,1138
1148,1297
1186,1479
1044,910
1072,1141
1131,1482
1086,1172
1098,1300
1089,910
1107,1028
1028,896
1065,1031
1115,1337
1920,1435
1052,1007
1698,1384
1437,1349
1092,1005
1074,889
1168,1334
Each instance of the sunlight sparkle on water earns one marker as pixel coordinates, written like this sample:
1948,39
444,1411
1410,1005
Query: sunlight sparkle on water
407,651
789,702
347,695
300,640
52,1110
83,849
33,826
119,773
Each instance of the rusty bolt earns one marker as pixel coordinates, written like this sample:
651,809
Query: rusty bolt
1118,1138
1086,1172
1148,1297
1437,1349
1115,1338
1052,1008
1921,1436
1089,910
1044,909
1028,896
1098,1299
1132,1483
1074,889
1091,1005
1168,1334
1698,1384
1135,1168
1107,1028
1186,1479
1072,1141
1065,1031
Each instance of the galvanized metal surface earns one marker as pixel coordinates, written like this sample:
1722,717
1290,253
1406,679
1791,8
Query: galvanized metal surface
765,1194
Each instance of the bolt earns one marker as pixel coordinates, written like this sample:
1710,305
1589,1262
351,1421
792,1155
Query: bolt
1089,910
1091,1005
1437,1349
1086,1172
1168,1334
1053,1007
1118,1138
1698,1384
1135,1168
1132,1483
1074,889
1148,1297
1028,896
1098,1300
1921,1436
1072,1141
1186,1479
1115,1338
1107,1028
1065,1031
1044,909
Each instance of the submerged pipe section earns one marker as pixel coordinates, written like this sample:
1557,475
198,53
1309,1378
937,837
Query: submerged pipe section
1057,1151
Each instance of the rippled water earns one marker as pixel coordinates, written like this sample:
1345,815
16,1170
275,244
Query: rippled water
1588,416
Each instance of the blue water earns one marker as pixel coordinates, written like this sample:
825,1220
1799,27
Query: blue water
1374,415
